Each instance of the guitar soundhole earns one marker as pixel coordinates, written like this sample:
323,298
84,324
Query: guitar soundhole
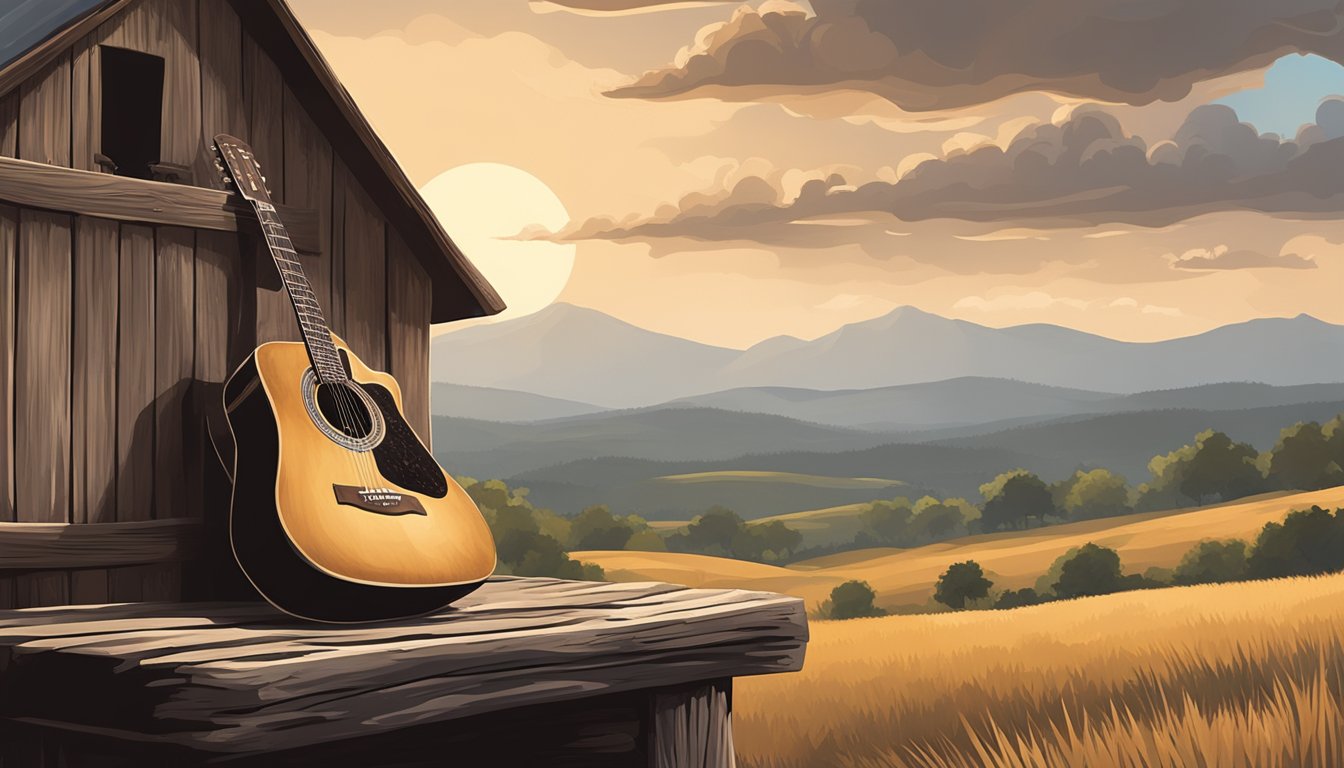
344,409
344,412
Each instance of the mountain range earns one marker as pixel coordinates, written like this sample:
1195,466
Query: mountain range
593,360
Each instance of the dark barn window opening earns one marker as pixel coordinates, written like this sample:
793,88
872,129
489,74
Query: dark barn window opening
132,111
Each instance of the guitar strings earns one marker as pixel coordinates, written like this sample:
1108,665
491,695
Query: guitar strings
351,404
348,424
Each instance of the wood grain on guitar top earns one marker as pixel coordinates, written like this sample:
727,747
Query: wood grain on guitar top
451,544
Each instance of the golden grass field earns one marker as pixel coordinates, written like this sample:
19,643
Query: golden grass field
1246,675
1011,560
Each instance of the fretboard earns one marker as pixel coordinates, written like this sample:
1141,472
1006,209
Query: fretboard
312,324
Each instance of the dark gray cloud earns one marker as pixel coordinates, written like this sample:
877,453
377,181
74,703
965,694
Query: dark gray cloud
936,54
1085,171
1222,257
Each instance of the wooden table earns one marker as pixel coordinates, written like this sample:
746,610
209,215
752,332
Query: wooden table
536,672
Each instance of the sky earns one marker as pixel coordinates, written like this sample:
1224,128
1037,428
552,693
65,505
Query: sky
730,172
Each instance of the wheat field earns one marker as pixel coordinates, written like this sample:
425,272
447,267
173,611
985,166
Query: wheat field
1220,676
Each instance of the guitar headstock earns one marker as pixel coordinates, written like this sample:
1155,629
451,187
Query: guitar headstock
239,167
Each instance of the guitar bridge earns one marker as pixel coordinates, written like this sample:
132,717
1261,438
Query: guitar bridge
382,501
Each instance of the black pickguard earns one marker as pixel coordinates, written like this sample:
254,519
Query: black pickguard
400,456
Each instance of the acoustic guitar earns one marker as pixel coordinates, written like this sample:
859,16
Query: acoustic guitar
339,512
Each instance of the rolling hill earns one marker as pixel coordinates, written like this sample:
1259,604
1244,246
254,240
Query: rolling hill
1012,560
488,404
493,449
977,401
613,458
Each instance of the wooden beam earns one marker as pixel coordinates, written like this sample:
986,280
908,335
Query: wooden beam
247,680
35,185
41,546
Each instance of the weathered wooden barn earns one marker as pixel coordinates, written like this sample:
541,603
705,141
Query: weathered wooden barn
132,284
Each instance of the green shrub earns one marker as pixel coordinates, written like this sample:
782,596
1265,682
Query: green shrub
853,600
1093,570
1212,562
962,582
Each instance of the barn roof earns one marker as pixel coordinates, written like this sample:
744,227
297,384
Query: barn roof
33,32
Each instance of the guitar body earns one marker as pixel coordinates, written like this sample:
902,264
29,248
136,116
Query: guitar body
330,533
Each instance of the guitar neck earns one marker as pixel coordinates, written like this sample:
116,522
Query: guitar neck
307,310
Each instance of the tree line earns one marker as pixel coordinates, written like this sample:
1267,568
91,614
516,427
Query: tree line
1307,542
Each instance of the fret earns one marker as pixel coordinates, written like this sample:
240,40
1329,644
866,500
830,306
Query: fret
307,309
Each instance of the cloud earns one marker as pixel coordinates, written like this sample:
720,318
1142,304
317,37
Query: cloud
1223,257
1019,301
616,7
1036,301
1084,172
937,54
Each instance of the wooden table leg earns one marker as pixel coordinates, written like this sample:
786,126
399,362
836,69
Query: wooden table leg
693,727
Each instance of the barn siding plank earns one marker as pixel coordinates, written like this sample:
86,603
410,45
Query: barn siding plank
223,109
182,142
174,365
135,393
42,386
175,424
266,134
225,336
94,397
9,124
409,301
9,226
365,278
307,156
85,106
44,115
221,343
340,178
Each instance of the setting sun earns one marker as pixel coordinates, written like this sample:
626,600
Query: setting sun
482,206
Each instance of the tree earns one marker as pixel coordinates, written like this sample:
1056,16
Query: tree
936,521
1098,493
1221,469
527,539
853,600
1013,498
1093,570
962,582
1212,562
1306,543
595,528
710,534
1304,459
1213,469
886,523
778,540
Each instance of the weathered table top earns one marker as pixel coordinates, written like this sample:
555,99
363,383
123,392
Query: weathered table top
243,678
